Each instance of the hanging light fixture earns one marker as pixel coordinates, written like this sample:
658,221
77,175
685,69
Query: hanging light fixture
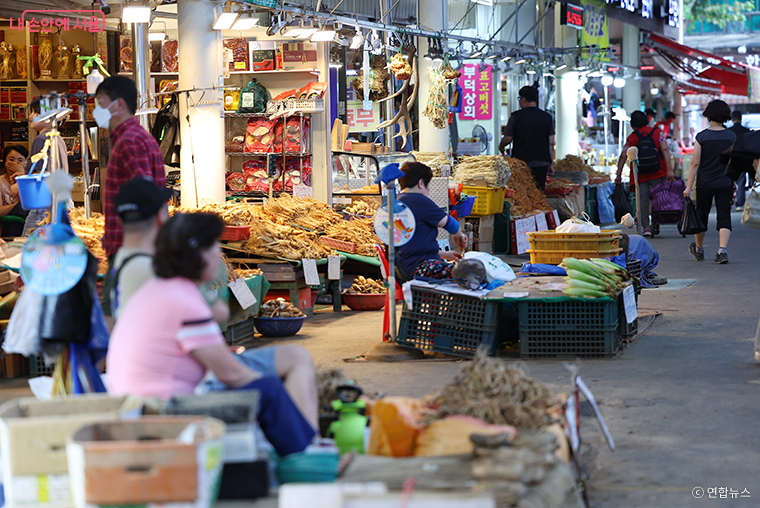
520,61
654,90
619,82
477,52
357,41
335,61
136,12
505,57
438,57
225,20
607,80
431,50
246,21
157,35
324,34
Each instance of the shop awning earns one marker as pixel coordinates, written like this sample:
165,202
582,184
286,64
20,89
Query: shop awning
697,71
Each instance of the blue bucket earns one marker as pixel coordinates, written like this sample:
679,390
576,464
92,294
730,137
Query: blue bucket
33,191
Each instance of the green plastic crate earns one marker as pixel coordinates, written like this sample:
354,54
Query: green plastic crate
448,323
568,328
239,332
591,207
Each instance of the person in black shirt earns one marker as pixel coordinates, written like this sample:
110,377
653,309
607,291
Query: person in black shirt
741,183
531,132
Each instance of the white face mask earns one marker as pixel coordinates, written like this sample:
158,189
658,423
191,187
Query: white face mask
102,116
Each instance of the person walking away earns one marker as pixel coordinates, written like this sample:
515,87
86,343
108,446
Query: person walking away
651,117
654,164
38,145
531,132
665,125
712,182
741,184
134,152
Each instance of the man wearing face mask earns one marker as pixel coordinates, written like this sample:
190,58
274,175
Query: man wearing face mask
134,153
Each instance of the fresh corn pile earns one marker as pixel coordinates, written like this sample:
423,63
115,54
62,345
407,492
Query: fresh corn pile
365,286
594,278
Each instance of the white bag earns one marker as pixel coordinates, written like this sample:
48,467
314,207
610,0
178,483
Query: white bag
580,224
496,269
751,214
23,334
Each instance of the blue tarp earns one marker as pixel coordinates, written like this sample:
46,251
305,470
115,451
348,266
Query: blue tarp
604,203
640,248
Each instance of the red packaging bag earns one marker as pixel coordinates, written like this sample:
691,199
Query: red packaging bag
258,136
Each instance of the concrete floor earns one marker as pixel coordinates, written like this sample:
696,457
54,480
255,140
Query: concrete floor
681,401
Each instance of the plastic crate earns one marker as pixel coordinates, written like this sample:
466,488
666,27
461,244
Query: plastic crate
608,239
235,233
626,329
447,323
37,366
568,328
239,332
555,257
634,267
490,201
338,244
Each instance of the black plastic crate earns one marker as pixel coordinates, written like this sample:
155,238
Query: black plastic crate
239,332
37,366
568,328
448,323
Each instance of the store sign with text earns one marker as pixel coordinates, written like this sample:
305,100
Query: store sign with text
357,118
477,92
47,21
646,9
595,26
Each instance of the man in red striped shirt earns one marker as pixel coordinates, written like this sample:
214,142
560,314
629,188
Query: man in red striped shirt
134,151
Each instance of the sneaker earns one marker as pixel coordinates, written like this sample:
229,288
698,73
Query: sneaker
721,258
646,232
699,256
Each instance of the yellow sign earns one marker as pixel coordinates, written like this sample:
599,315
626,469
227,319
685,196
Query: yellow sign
595,28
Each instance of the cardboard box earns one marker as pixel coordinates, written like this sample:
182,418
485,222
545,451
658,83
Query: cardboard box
296,55
5,111
18,111
33,434
552,219
77,193
519,227
18,95
261,59
541,224
483,227
151,460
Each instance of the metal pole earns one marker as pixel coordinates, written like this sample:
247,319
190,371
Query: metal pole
606,121
391,186
141,67
54,164
85,158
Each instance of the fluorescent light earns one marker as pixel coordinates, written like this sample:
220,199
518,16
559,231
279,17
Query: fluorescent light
335,65
654,91
323,35
520,61
245,23
505,58
619,82
581,67
561,67
156,36
306,33
607,80
356,42
135,14
492,55
225,20
530,71
483,2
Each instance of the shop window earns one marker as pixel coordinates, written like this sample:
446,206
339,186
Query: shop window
754,23
708,27
737,27
695,27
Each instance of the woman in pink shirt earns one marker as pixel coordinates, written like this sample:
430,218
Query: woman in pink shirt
166,338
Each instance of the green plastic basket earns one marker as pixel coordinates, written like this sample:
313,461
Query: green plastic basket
308,468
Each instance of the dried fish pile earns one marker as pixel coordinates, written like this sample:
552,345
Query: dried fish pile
328,382
90,231
360,232
489,389
433,160
572,163
270,239
233,213
493,168
437,109
528,198
307,213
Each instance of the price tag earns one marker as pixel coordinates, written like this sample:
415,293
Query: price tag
302,191
243,293
444,244
333,267
445,170
310,273
629,300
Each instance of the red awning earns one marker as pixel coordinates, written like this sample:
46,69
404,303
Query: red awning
696,70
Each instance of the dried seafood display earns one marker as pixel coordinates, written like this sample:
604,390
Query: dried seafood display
76,52
6,72
400,67
378,87
232,213
279,308
64,62
45,56
494,169
572,163
497,393
437,109
268,238
366,286
361,208
528,198
90,231
360,232
433,160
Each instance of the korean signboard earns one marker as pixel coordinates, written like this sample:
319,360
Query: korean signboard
357,119
595,26
49,20
477,92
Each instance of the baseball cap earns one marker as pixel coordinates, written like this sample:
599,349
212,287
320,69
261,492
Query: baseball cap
140,199
529,93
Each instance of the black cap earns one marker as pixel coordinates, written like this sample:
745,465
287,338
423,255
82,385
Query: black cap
140,199
529,93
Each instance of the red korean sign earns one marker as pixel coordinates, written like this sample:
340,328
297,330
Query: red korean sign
45,20
477,92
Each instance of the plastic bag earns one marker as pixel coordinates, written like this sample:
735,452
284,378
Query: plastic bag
496,269
604,203
68,317
620,201
23,333
690,223
667,196
751,214
578,225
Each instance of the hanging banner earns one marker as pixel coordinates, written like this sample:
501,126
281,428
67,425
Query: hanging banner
754,85
477,92
595,28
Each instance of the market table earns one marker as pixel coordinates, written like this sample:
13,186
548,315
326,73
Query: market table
258,286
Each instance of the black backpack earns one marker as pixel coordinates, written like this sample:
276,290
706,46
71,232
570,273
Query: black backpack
166,131
649,153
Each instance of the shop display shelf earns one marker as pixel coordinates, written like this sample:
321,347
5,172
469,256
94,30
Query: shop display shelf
280,71
234,114
257,154
568,328
489,201
448,323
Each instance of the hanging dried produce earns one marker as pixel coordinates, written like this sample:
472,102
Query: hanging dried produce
402,116
400,67
437,109
45,56
449,72
378,84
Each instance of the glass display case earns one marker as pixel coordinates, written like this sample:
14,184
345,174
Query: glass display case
354,173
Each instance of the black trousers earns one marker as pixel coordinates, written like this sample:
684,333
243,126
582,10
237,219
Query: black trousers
722,198
539,175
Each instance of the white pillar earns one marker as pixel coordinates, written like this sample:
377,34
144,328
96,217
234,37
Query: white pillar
568,86
434,16
200,65
631,50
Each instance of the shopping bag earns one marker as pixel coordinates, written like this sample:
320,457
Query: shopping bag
620,201
667,196
690,223
751,214
23,334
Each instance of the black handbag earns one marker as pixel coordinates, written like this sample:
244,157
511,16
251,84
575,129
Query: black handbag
620,201
690,223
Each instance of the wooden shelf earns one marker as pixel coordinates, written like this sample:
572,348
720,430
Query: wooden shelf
152,74
59,80
14,121
277,154
315,72
18,80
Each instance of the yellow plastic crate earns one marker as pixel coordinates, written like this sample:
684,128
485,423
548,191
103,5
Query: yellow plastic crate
551,240
555,257
490,201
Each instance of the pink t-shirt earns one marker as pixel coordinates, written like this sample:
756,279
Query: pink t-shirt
149,351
